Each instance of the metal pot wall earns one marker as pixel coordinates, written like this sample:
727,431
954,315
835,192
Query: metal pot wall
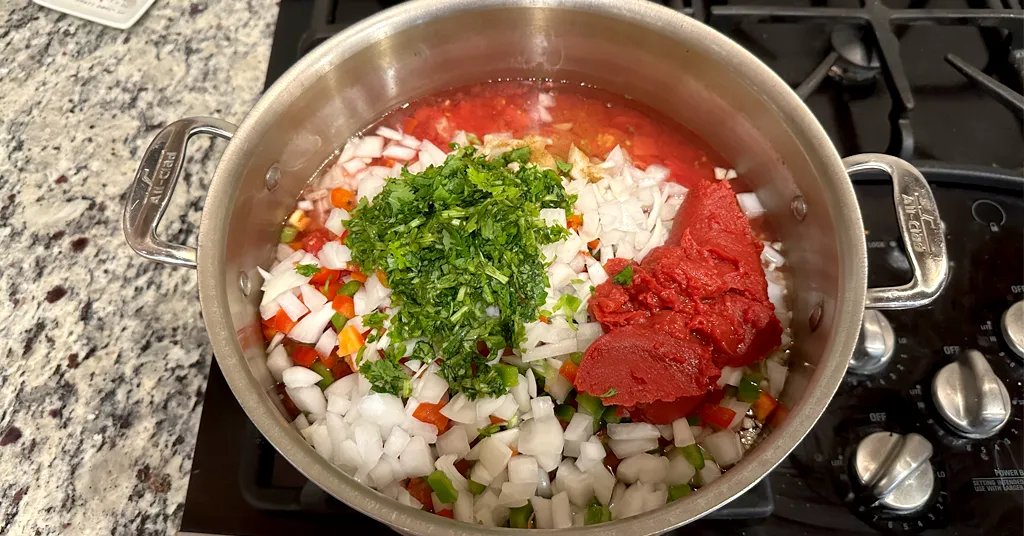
681,67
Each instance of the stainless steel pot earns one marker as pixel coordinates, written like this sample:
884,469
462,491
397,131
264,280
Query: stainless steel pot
681,67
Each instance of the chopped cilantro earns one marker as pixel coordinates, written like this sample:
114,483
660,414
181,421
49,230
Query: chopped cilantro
307,270
386,376
454,240
563,167
610,392
374,320
625,277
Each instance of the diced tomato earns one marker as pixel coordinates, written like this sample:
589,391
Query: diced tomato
715,396
447,512
431,414
343,198
568,370
495,420
289,406
322,275
358,276
329,360
420,490
644,146
764,406
462,466
282,323
574,222
304,355
316,240
344,305
716,416
341,367
611,461
779,416
410,124
349,340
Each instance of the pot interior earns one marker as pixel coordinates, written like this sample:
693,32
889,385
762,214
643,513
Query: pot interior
663,59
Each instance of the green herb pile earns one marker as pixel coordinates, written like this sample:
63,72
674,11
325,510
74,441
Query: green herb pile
454,240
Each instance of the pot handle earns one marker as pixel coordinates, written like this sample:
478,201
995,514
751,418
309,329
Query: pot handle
920,227
151,190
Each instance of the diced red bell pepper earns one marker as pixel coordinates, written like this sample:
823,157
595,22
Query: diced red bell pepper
716,416
315,240
344,305
322,275
304,355
431,414
282,323
420,490
568,370
358,276
447,512
764,406
268,331
574,222
496,420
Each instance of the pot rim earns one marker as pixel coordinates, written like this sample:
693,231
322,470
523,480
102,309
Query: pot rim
220,200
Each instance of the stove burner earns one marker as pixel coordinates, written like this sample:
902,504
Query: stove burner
857,63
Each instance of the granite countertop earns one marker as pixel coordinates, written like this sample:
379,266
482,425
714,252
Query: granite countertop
103,356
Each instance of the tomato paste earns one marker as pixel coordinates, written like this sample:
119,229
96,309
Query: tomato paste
705,288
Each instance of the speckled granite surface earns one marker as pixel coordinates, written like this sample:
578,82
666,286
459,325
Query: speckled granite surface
103,356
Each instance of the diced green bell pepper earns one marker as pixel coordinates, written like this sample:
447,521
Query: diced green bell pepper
324,373
678,491
349,289
475,488
597,513
565,412
750,388
693,455
288,234
509,375
442,486
519,518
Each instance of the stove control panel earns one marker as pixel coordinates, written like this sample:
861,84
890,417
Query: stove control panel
925,432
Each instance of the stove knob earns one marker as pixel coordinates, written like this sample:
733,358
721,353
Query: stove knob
970,396
1013,327
875,346
894,470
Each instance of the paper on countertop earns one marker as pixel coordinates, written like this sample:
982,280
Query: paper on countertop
120,14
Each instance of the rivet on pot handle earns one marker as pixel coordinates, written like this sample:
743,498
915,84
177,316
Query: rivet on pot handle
920,227
151,190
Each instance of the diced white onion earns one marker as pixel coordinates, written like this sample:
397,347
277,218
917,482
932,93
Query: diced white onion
292,306
550,350
335,256
682,433
730,376
624,448
299,377
454,442
542,512
776,377
633,430
516,494
278,361
327,342
642,467
494,455
709,473
309,399
724,446
561,514
309,329
369,147
580,427
312,297
679,471
416,459
750,204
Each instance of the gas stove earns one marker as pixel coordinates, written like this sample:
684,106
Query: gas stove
937,83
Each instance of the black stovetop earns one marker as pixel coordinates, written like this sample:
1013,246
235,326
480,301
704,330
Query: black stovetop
971,148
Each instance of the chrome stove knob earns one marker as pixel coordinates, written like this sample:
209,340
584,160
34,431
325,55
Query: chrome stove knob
970,397
894,469
1013,328
875,346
